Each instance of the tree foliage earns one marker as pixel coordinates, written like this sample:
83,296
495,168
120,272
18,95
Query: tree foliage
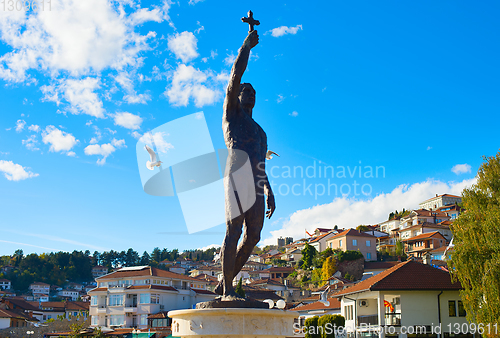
334,321
475,259
329,268
239,288
311,327
308,254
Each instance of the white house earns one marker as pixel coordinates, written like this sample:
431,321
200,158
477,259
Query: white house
305,311
438,201
39,288
72,294
126,297
5,284
407,297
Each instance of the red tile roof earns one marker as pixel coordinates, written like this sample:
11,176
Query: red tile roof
409,275
351,232
334,304
204,292
444,195
380,265
145,272
425,235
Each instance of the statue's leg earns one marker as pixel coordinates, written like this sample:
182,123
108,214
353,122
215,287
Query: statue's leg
228,255
254,221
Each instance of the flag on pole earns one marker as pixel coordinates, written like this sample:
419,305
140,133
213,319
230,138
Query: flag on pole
389,305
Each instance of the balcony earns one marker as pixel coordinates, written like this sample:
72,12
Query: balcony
130,309
393,319
101,309
368,320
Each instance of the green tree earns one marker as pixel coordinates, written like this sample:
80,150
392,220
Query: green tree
475,259
329,323
311,327
308,254
328,269
362,228
239,288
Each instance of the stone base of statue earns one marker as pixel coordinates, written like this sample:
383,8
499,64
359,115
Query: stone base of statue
232,322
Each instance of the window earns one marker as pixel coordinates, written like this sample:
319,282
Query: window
340,243
144,320
93,300
116,320
95,320
452,312
368,243
145,298
461,309
368,255
355,242
115,300
155,298
348,312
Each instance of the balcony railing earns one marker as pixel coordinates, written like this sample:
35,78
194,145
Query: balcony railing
368,320
393,319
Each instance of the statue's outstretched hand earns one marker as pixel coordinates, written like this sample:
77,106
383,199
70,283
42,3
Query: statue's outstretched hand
270,205
252,39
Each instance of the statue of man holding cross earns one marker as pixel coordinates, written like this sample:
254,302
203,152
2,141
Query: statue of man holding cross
242,133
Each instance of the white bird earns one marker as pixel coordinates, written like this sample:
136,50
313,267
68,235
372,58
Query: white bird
269,154
323,296
153,163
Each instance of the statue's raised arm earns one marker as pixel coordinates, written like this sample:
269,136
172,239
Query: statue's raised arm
240,64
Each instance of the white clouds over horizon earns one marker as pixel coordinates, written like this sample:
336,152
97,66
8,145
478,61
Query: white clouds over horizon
15,172
350,212
461,169
283,30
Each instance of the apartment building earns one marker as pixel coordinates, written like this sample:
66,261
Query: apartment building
352,239
126,297
438,201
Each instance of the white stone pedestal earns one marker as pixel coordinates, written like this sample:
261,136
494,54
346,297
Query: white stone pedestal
232,323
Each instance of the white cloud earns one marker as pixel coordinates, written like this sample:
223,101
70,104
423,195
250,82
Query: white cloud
161,145
103,150
283,30
461,168
183,45
20,125
79,37
131,96
209,247
194,2
71,154
189,82
350,212
294,114
59,140
15,172
128,120
280,98
34,128
118,143
229,59
31,143
429,148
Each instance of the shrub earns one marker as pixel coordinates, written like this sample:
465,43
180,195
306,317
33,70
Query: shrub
311,327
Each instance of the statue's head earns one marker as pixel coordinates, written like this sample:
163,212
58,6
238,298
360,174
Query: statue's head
247,95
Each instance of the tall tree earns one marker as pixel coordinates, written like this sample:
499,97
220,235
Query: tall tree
475,259
329,267
308,254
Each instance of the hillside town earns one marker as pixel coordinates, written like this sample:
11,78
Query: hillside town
369,275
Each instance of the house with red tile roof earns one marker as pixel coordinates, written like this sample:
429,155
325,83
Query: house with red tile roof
125,298
352,239
407,295
439,201
317,308
319,242
418,246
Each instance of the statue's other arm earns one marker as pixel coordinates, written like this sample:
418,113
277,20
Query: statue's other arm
240,64
271,205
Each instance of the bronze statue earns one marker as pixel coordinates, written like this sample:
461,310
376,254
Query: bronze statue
241,132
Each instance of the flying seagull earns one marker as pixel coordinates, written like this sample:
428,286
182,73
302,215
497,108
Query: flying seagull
153,163
269,154
323,296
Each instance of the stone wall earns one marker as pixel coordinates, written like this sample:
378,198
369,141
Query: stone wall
354,268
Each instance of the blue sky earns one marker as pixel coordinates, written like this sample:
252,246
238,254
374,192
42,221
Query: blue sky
406,87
